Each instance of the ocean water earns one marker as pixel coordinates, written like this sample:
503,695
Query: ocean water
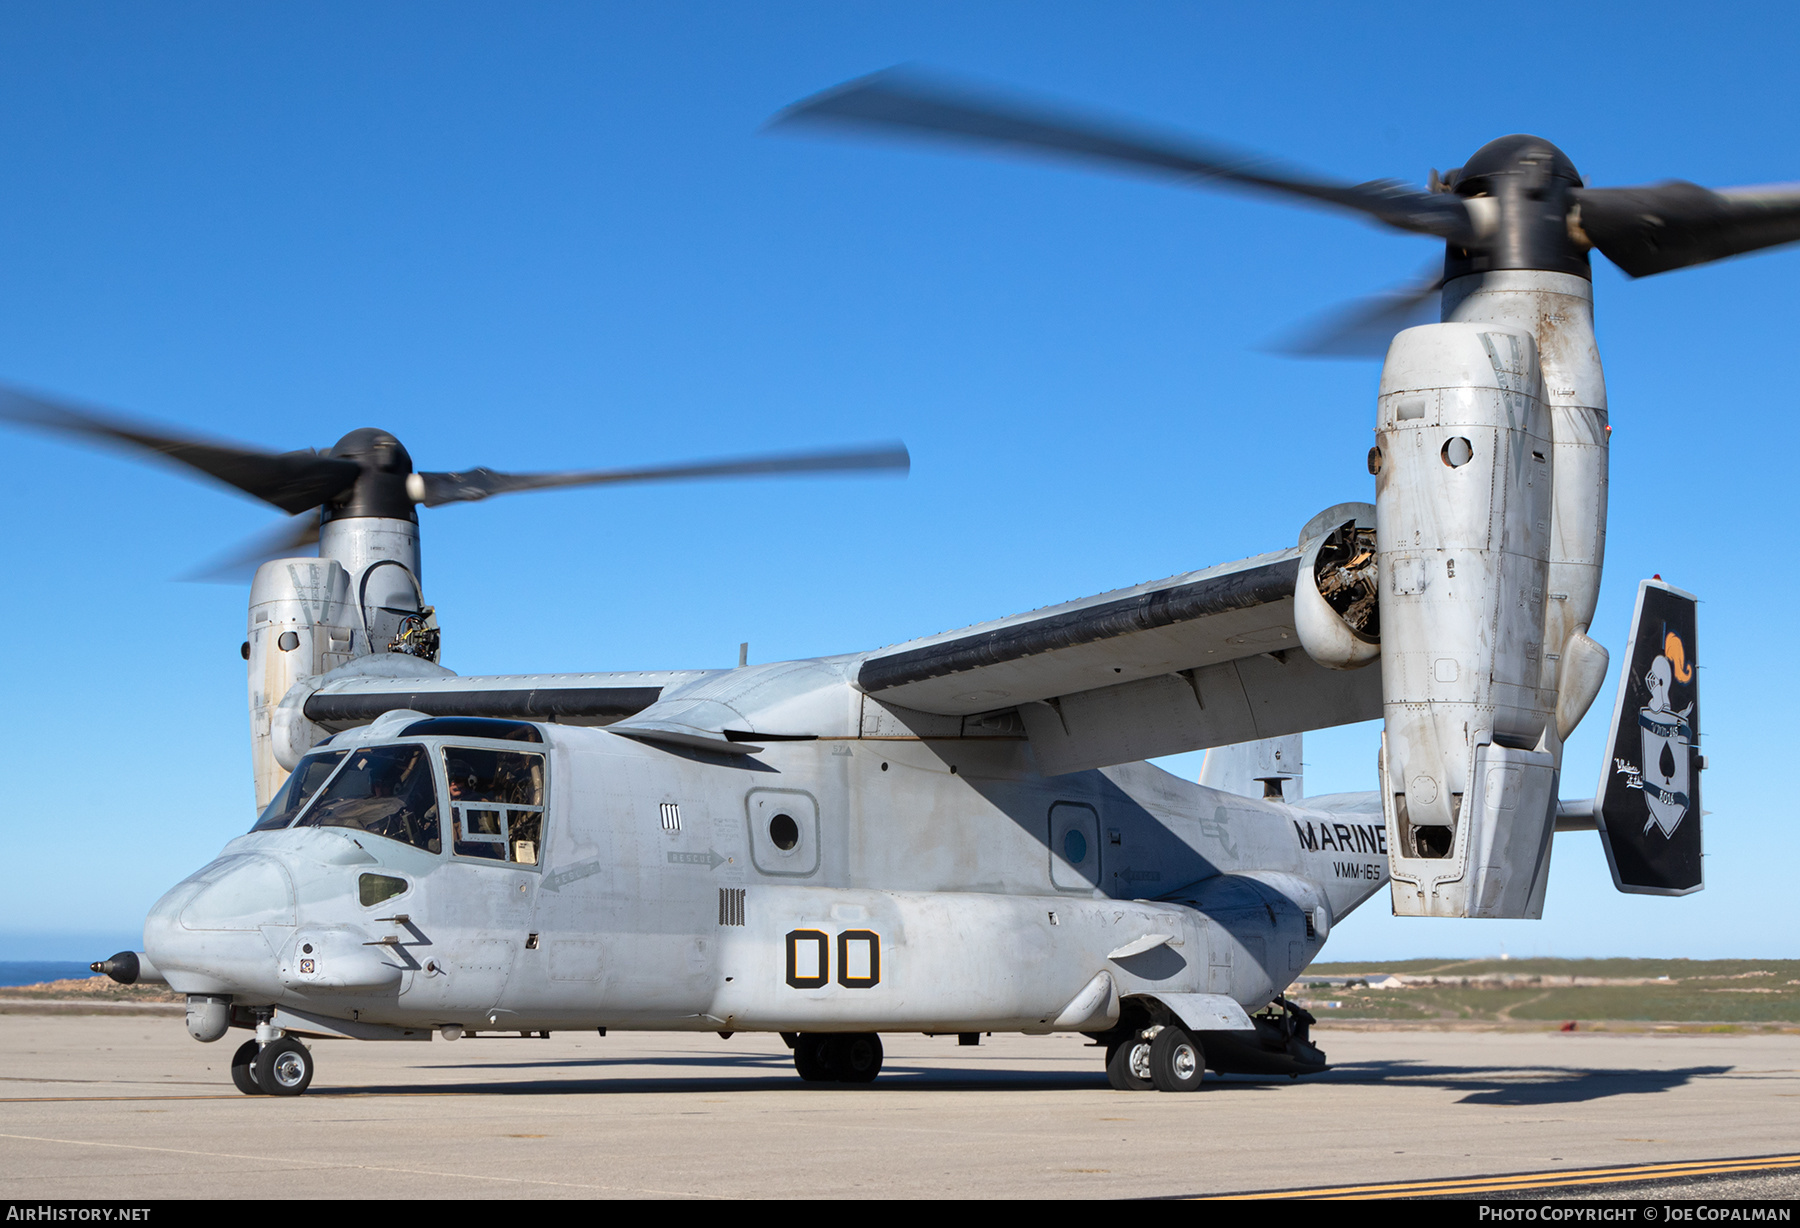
31,971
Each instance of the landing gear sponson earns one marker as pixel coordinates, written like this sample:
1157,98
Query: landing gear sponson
1144,1053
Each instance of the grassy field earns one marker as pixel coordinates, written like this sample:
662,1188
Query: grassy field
1720,993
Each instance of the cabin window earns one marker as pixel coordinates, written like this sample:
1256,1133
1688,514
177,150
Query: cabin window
385,791
301,784
496,803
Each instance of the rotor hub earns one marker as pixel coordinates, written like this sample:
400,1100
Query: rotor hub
1531,181
380,490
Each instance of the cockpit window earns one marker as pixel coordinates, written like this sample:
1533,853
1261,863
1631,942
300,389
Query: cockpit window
385,791
496,803
301,784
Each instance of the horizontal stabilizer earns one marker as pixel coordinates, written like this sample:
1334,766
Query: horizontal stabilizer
1648,802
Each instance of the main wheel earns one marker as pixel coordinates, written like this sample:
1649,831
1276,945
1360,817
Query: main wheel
284,1067
243,1069
1128,1065
856,1057
1176,1062
811,1058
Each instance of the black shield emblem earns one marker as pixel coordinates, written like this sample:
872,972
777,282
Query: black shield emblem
1649,811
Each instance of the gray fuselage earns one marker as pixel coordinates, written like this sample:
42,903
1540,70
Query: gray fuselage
845,882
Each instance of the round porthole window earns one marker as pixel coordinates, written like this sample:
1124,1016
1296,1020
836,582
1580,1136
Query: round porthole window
784,832
1074,847
1458,452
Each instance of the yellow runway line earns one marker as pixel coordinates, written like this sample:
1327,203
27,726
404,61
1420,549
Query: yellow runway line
1526,1181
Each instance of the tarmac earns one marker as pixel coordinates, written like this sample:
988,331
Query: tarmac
103,1107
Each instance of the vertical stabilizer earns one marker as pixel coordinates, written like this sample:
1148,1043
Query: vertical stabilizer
1269,769
1648,803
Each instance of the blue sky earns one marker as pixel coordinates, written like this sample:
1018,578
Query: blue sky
539,236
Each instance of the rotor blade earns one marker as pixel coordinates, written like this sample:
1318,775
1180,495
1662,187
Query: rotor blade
1365,327
472,484
1672,225
292,481
902,103
282,541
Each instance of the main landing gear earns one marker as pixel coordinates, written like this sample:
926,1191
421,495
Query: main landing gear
837,1057
1167,1058
283,1067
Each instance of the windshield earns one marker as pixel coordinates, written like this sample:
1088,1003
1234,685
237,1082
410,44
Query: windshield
292,797
385,791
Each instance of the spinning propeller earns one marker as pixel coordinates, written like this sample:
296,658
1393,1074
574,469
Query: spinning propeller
370,473
1517,203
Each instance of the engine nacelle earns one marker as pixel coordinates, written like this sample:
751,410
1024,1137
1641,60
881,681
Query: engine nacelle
1336,593
301,623
1463,507
1558,309
308,617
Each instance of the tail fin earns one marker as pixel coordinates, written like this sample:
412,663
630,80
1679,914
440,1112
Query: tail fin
1269,769
1648,802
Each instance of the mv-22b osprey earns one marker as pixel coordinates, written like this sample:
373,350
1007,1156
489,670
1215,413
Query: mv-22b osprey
956,834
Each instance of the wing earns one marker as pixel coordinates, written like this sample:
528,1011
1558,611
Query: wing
1203,659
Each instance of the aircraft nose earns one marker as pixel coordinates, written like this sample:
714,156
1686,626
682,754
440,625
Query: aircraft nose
252,892
220,929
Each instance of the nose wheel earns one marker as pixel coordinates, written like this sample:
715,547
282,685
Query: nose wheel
243,1068
283,1067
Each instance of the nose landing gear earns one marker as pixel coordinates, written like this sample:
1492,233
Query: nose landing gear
282,1067
243,1068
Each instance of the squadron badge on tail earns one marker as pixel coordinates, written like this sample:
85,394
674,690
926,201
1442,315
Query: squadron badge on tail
1649,802
1668,739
